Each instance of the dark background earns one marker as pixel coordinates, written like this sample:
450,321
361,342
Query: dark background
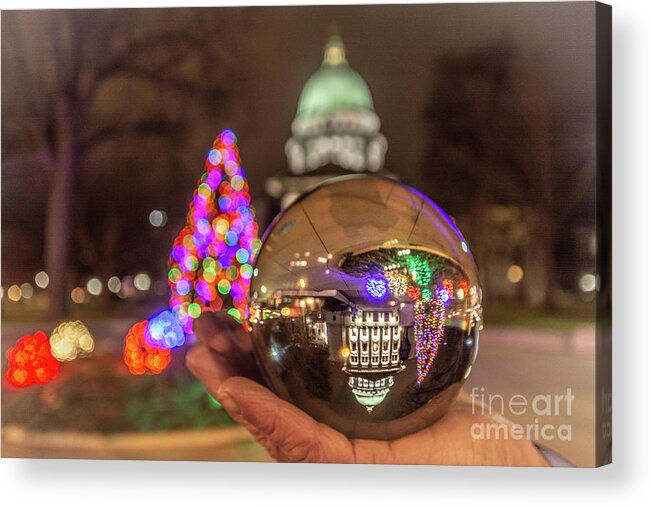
108,114
489,109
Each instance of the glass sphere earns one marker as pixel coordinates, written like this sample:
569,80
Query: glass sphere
365,307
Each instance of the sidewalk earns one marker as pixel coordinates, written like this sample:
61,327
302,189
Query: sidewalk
579,341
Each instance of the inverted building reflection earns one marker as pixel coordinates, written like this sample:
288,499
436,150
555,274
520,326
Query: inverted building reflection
395,308
365,307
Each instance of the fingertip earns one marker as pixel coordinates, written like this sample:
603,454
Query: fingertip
207,366
242,387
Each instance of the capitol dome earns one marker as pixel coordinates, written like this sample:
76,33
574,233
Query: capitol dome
335,132
335,121
334,86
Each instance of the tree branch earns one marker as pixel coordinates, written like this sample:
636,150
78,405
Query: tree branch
143,128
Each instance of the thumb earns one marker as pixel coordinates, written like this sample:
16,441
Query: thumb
287,433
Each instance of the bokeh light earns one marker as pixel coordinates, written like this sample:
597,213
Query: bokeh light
78,295
94,286
26,290
70,340
587,282
514,274
142,282
31,361
42,280
210,263
158,218
114,284
164,331
14,293
139,356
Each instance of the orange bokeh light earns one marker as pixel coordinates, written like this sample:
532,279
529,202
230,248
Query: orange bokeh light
140,357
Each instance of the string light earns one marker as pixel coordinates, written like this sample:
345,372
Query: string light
398,284
376,288
31,361
413,292
420,270
70,340
429,327
448,285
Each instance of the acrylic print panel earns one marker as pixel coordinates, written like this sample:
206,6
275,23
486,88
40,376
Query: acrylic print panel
323,233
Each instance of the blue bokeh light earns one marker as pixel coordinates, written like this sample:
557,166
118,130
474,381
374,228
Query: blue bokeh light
164,331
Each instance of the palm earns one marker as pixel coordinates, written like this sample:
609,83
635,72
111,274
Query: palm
222,361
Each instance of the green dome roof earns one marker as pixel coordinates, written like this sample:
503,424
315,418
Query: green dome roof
334,86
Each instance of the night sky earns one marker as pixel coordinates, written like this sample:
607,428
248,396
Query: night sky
394,48
272,51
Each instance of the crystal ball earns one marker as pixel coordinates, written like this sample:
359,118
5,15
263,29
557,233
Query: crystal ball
365,307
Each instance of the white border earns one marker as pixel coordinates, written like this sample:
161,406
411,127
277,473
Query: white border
100,483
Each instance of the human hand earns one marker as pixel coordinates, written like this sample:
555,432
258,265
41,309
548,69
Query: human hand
223,361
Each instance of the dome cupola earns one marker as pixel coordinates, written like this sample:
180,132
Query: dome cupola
334,86
335,120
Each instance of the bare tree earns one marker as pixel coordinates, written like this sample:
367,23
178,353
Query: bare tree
77,82
498,136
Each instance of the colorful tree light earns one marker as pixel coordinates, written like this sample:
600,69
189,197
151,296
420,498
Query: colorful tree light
210,261
463,285
31,361
139,356
398,284
376,288
429,327
70,340
420,270
448,285
413,292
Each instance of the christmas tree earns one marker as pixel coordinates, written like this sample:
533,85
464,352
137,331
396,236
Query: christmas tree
211,259
210,264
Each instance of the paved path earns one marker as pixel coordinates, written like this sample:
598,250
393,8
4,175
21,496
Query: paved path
508,371
510,362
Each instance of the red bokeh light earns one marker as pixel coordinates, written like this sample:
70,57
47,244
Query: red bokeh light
31,361
413,292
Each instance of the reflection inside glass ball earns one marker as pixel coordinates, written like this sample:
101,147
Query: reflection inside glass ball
365,307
